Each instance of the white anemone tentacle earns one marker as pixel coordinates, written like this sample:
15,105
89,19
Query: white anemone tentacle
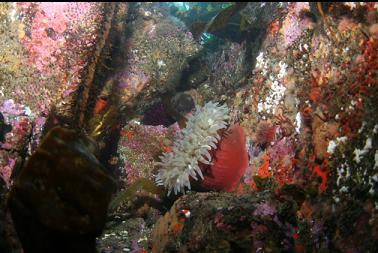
192,146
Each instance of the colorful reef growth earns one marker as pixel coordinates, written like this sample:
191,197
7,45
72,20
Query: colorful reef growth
208,127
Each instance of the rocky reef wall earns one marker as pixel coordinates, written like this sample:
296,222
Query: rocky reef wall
300,79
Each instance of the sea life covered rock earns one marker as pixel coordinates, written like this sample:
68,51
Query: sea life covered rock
139,147
154,68
219,222
264,114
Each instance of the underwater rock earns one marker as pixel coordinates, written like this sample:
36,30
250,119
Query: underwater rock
258,15
309,86
302,85
9,241
15,146
183,103
180,106
231,21
132,215
173,107
225,71
127,236
222,24
4,246
60,199
141,199
315,82
322,134
154,68
8,162
157,115
4,128
19,117
138,149
222,222
47,48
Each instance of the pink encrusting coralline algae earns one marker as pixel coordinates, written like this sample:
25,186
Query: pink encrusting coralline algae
293,26
58,37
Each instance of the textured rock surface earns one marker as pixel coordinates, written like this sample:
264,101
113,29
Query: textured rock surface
306,107
4,247
46,53
129,236
53,44
221,222
301,83
154,68
140,146
20,134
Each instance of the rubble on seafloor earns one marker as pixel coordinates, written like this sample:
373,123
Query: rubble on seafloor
299,78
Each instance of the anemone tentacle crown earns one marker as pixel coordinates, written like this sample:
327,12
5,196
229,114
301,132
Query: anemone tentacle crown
192,146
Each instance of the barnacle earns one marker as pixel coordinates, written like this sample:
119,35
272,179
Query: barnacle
193,145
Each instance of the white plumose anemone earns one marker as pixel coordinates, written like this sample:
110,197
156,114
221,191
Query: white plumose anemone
192,145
